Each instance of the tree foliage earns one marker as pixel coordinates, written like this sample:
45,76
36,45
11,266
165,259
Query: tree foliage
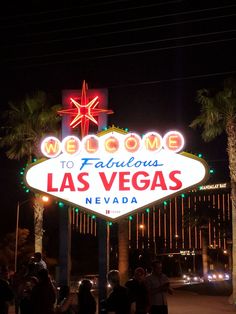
26,123
218,115
7,248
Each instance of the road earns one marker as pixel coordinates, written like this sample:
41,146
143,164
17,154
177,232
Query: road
183,302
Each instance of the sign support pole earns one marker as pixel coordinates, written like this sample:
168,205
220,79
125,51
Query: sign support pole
103,249
64,218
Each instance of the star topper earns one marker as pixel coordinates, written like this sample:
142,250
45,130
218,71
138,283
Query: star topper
85,111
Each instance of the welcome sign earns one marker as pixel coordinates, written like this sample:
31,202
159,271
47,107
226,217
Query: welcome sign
114,173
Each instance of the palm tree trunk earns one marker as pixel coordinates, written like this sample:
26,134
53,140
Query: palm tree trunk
233,195
231,149
38,225
204,254
123,247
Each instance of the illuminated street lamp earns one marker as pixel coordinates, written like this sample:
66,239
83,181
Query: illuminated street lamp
17,229
19,204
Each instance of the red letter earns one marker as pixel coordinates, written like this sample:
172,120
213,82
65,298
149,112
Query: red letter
178,183
81,180
49,185
158,176
67,183
107,185
135,179
122,181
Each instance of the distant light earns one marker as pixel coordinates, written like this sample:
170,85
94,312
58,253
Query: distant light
147,210
182,195
93,217
200,155
130,218
61,204
165,203
76,209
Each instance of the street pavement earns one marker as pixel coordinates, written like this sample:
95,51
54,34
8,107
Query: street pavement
185,302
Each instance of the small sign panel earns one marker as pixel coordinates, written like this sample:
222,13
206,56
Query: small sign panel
114,173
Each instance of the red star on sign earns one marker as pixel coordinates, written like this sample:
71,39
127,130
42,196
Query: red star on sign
85,111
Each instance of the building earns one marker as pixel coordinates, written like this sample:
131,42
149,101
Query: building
176,227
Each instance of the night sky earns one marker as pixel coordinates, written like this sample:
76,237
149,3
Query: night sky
151,55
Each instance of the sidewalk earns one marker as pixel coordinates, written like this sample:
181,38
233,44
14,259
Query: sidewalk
184,302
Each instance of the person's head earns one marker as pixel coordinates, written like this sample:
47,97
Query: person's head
157,267
37,256
139,274
113,278
85,285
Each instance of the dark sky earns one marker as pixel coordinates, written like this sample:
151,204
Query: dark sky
151,55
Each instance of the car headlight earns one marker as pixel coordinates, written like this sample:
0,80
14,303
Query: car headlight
209,277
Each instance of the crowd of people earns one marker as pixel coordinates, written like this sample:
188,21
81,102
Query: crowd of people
33,292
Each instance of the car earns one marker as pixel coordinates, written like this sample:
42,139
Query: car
191,278
76,282
218,276
92,278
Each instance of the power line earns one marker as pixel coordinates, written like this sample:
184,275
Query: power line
112,2
122,45
96,35
181,78
129,53
88,14
130,21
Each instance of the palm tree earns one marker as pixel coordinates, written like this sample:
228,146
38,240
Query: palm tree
200,215
218,115
123,249
25,124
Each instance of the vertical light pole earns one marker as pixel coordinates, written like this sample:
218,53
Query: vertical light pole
17,230
44,199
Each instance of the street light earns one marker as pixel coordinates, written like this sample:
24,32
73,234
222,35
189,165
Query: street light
44,199
17,229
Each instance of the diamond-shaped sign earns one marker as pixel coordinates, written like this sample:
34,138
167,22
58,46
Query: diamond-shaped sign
116,174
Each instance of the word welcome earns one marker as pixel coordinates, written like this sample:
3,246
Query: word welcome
152,141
